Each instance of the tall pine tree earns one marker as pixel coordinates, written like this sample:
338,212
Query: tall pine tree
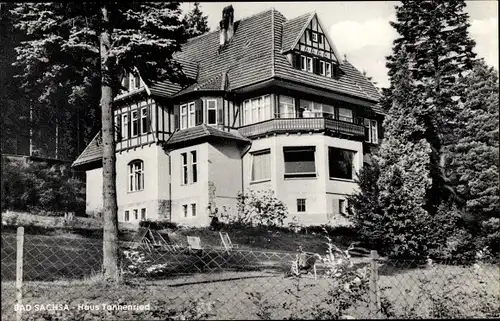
435,34
195,22
96,44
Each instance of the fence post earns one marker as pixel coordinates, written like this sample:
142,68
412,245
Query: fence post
19,271
374,304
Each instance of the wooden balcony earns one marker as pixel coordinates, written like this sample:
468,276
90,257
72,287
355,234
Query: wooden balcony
292,125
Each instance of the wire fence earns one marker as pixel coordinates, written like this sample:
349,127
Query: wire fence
59,278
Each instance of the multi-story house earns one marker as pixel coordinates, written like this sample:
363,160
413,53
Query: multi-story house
272,106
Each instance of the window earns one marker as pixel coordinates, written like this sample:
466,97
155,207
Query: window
136,214
340,163
136,175
212,112
322,68
286,107
193,209
127,216
299,161
143,213
371,129
144,120
345,115
343,206
184,168
257,109
125,82
184,118
137,81
261,165
309,64
185,210
313,109
135,124
192,117
194,167
314,36
118,129
328,72
303,63
125,133
320,39
301,205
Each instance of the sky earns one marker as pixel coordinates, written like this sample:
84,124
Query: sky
361,30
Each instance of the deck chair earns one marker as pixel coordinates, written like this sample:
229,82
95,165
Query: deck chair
226,241
194,243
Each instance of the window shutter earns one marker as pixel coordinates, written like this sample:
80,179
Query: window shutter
176,117
198,111
316,66
220,112
297,61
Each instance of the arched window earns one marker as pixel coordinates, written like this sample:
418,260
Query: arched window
136,175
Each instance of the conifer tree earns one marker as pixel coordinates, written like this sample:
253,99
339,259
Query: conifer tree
88,47
473,159
435,34
195,22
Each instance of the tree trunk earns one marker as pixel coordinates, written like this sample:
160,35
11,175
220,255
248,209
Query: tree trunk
110,235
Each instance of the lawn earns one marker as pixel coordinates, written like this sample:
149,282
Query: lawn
61,269
229,292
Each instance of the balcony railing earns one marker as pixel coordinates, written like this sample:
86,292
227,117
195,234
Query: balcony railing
289,125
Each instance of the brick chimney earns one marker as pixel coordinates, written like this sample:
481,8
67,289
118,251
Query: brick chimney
226,25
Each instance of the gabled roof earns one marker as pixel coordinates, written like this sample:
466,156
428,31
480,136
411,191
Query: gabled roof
292,30
91,153
203,131
256,54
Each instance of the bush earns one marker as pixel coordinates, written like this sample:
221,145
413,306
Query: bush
158,225
257,208
35,186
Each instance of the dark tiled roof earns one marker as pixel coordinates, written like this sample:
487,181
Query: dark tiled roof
203,131
252,56
291,30
92,153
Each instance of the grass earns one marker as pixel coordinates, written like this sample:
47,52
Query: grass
230,292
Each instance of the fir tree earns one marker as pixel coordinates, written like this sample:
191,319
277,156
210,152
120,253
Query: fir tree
435,34
87,48
195,22
473,159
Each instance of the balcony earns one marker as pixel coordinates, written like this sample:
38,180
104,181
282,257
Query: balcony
291,125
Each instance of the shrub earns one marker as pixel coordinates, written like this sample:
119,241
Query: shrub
158,225
36,186
257,208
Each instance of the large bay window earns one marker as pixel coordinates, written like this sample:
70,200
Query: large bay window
299,161
286,107
345,115
136,176
371,130
340,163
212,112
313,109
257,110
261,165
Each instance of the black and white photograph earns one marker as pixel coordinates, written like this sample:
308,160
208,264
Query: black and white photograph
249,160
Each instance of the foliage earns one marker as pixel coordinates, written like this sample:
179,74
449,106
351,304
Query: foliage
472,161
158,225
257,208
195,22
31,186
